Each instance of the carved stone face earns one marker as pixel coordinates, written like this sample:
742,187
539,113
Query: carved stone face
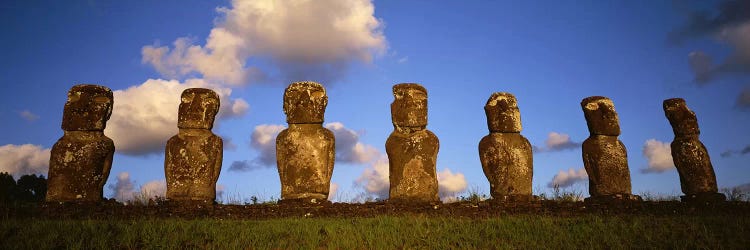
601,116
88,108
502,113
198,108
409,108
682,119
305,102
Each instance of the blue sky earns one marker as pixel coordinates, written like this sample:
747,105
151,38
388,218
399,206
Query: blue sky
550,54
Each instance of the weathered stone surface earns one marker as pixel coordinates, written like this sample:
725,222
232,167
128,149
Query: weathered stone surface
605,158
412,150
409,108
502,113
601,116
198,108
193,157
697,177
81,159
305,152
88,108
305,102
606,162
505,154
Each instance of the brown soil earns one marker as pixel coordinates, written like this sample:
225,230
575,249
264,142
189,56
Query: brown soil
474,210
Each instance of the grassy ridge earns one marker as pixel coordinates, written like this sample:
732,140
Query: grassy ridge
383,232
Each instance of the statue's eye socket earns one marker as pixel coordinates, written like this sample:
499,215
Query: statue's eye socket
188,98
73,97
101,99
592,106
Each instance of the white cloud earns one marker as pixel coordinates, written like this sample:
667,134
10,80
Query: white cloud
304,38
24,159
558,142
403,60
450,184
568,178
154,189
348,147
659,156
263,140
375,179
332,190
28,116
220,192
144,117
124,188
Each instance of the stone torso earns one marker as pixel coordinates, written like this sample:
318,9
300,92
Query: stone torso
507,161
693,165
305,156
193,164
412,158
605,160
80,163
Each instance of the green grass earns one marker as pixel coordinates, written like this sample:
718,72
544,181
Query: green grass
512,232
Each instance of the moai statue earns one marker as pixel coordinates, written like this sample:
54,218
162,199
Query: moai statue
193,157
412,149
505,154
80,161
690,156
305,152
604,156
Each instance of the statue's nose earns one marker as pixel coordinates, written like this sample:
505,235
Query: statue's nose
195,104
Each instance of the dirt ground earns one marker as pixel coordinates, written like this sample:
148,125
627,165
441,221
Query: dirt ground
484,209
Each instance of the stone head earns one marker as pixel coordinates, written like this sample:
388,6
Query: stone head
601,116
502,113
409,107
305,102
198,108
682,119
88,108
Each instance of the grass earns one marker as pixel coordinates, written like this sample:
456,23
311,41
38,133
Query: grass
526,232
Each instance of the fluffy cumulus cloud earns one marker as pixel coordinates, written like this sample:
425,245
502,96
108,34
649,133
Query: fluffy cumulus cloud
450,184
28,116
24,159
306,39
558,142
263,140
124,189
220,192
333,190
375,179
348,147
659,156
144,117
154,189
567,178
